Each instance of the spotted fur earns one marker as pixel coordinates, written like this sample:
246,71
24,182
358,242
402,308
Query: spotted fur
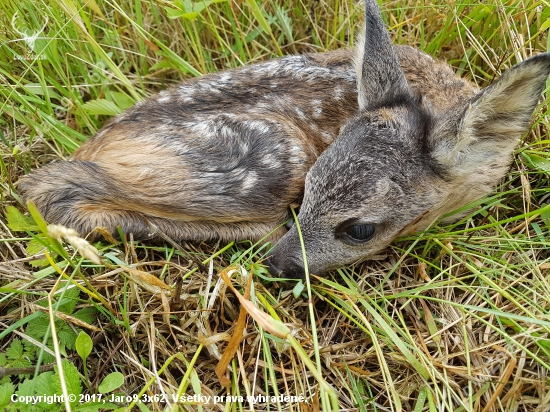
383,135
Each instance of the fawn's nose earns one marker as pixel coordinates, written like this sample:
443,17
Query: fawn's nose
284,269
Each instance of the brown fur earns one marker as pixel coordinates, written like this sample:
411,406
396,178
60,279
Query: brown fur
378,142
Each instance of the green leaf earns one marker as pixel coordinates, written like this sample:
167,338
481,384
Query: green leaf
16,356
187,10
19,324
162,64
538,162
257,12
96,407
87,315
33,210
72,380
298,289
101,106
15,351
43,226
44,383
545,216
200,6
26,388
111,382
175,13
38,326
35,247
123,101
545,25
6,390
18,222
66,335
70,299
84,345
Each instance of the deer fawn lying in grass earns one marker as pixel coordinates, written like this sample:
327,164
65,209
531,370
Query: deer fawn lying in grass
374,144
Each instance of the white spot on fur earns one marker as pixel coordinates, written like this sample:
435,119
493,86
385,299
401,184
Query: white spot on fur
182,149
297,67
205,87
187,90
327,137
258,125
164,97
300,113
316,108
271,161
227,131
249,181
225,78
296,157
201,128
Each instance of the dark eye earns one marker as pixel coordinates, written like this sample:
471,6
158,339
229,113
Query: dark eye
360,233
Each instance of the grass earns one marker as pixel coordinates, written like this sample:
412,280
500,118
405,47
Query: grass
456,318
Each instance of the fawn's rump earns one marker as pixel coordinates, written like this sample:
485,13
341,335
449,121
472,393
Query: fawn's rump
81,195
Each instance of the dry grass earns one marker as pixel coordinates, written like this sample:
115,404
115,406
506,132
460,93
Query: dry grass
456,319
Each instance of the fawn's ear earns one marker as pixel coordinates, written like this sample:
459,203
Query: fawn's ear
380,80
488,128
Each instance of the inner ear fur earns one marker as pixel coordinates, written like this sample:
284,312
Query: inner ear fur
487,129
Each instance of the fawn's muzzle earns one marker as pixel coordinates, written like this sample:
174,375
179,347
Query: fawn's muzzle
284,268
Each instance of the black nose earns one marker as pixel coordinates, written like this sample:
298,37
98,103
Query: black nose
286,269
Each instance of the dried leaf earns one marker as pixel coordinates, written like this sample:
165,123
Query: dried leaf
236,339
150,44
165,308
268,323
106,234
146,280
77,322
218,337
422,271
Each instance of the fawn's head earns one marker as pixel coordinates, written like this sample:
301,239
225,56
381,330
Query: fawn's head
400,164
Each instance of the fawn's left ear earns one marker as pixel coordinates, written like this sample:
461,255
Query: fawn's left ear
488,128
380,80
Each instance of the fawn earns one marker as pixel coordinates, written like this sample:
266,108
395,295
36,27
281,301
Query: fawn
373,143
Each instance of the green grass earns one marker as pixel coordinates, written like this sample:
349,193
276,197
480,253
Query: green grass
456,318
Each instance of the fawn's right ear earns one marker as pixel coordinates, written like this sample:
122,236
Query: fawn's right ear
487,129
380,79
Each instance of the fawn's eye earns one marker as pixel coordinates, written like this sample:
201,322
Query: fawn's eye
360,233
355,233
